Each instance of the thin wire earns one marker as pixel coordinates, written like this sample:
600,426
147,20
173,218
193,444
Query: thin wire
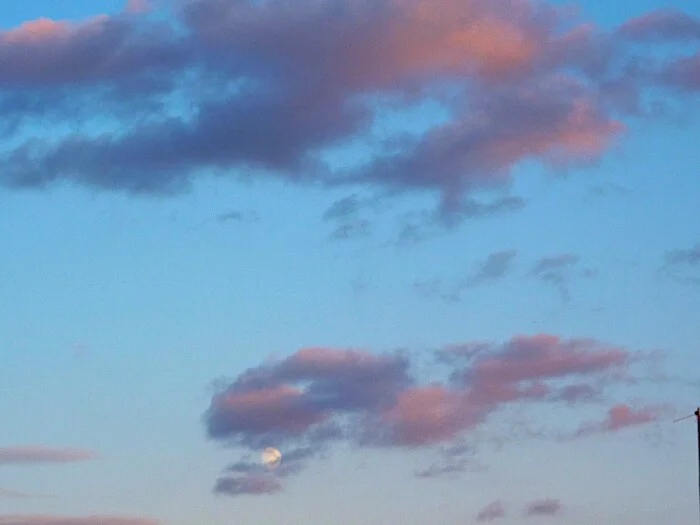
684,418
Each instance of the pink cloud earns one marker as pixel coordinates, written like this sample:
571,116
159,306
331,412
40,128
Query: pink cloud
536,86
38,31
37,454
319,396
423,416
49,53
461,37
622,416
262,410
393,42
543,356
555,119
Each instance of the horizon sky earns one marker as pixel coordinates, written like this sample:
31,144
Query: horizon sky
443,254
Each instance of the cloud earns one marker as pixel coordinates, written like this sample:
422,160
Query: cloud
138,6
268,401
683,73
231,216
455,212
294,461
491,512
36,454
443,469
46,53
243,89
663,24
621,417
14,494
556,271
237,216
552,118
494,267
317,397
461,352
248,485
37,519
578,393
545,507
682,265
343,208
352,230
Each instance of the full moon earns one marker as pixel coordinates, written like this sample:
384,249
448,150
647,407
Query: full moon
271,457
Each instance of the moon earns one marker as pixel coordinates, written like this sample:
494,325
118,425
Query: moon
271,457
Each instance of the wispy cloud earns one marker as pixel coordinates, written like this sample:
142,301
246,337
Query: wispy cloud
496,266
352,230
344,208
40,519
683,265
491,512
249,484
38,454
237,216
15,494
545,507
556,271
449,465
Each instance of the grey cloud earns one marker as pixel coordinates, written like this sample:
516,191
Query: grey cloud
37,454
556,271
352,230
496,266
250,484
545,507
683,265
343,208
492,511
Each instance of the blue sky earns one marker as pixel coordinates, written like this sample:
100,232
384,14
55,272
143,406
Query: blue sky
307,262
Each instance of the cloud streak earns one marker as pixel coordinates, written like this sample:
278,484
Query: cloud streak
40,519
249,484
545,507
36,454
14,494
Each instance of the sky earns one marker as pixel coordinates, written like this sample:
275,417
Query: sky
444,255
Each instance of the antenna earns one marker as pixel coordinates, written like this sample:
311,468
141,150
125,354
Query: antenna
695,414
